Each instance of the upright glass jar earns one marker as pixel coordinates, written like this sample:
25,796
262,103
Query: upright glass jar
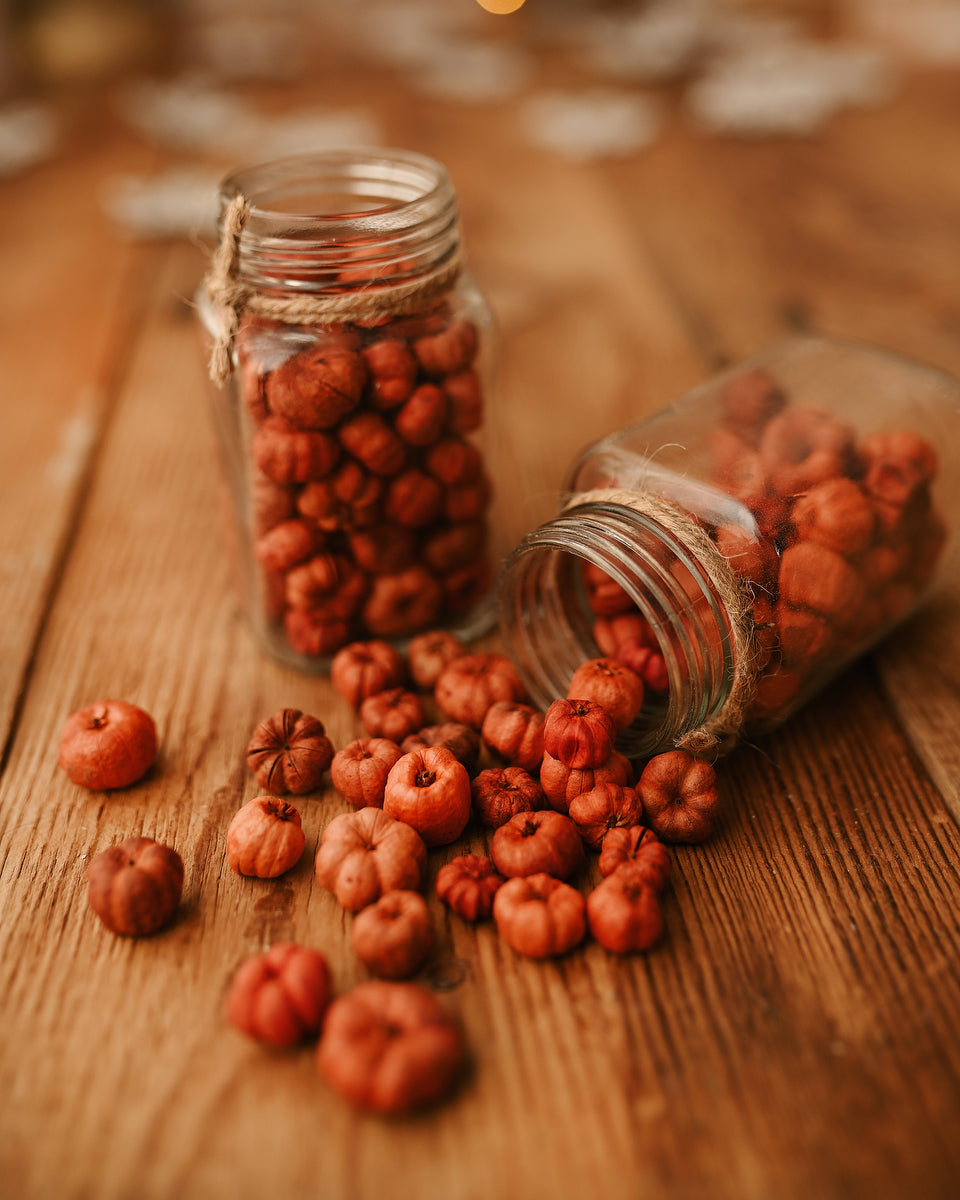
352,352
738,548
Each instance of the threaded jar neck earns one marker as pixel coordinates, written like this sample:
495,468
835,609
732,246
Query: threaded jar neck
344,221
547,624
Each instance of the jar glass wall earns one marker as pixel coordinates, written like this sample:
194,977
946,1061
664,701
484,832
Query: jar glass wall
741,546
355,356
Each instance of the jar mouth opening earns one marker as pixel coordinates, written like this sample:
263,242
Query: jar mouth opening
343,196
548,625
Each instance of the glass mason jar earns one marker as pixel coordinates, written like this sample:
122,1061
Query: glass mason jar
738,548
353,353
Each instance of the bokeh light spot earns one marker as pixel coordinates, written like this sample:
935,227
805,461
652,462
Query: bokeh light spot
501,6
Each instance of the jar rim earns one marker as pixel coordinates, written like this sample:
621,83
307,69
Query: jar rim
411,182
545,622
345,221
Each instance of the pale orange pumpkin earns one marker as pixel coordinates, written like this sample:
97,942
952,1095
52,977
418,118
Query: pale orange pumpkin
365,853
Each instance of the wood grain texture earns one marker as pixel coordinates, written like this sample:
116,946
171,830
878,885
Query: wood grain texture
70,303
795,1032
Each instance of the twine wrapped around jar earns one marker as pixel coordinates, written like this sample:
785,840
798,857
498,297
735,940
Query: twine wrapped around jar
723,729
232,296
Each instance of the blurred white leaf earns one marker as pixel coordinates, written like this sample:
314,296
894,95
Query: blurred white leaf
595,124
657,43
474,72
28,134
247,47
190,114
187,113
179,203
787,88
306,131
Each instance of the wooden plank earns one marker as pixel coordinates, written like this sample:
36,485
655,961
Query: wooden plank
793,1034
72,297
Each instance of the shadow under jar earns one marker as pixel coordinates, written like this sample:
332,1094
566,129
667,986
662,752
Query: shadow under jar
740,547
353,356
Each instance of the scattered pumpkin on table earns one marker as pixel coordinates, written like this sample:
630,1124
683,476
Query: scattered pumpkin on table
467,885
389,1046
365,853
499,793
135,887
361,669
265,838
540,916
463,741
359,770
471,683
617,689
289,753
561,784
514,732
604,807
680,798
542,842
429,790
279,997
580,733
393,937
639,848
624,912
394,714
109,744
429,653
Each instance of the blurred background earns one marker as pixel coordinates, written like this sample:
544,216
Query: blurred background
199,86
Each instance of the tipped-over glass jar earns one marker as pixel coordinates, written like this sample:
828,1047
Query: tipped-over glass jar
352,350
740,547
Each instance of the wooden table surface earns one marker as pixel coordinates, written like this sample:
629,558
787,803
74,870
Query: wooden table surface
796,1031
